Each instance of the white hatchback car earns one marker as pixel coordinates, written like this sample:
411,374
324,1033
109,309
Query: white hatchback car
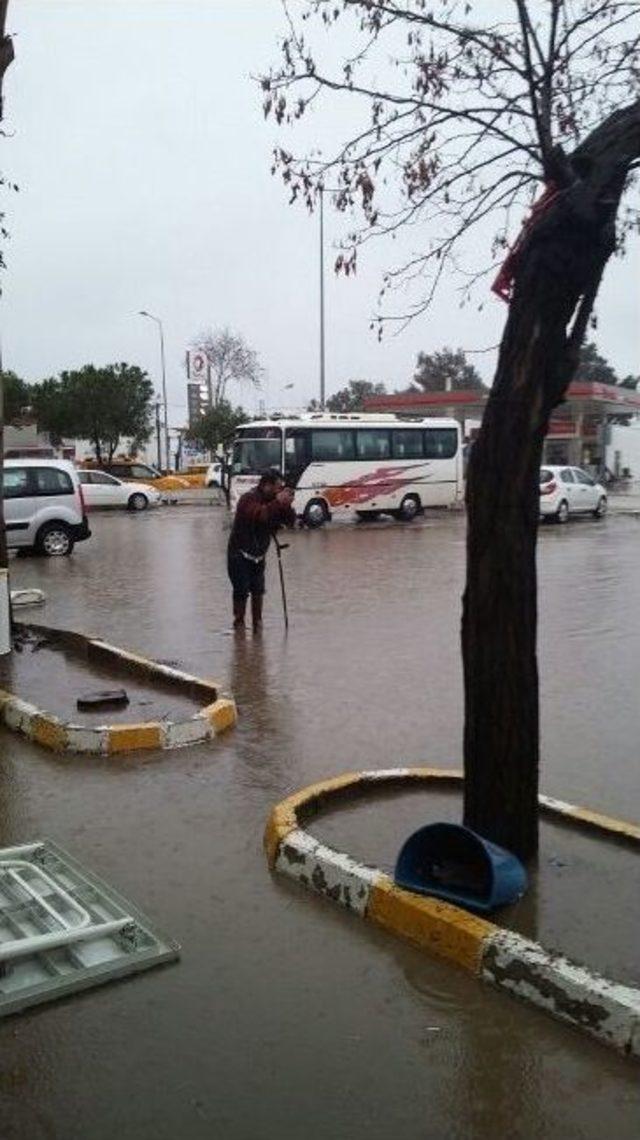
103,490
566,491
44,506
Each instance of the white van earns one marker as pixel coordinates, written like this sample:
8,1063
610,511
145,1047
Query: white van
44,507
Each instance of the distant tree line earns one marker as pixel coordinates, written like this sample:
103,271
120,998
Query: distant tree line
449,370
102,405
105,405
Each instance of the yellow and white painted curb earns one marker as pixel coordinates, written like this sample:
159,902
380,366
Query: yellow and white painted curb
549,981
217,714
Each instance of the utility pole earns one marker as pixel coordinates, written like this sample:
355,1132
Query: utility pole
180,433
164,397
144,313
322,375
158,444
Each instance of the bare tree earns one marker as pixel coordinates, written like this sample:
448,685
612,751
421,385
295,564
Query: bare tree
230,361
6,57
481,107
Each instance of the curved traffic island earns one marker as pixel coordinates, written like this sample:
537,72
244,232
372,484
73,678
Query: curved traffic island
571,992
129,703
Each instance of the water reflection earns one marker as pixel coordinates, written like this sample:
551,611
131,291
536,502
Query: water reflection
263,706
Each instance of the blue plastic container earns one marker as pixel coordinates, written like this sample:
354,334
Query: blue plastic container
449,861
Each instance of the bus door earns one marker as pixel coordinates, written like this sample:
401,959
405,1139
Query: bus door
297,454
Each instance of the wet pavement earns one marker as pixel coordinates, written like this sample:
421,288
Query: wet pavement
284,1013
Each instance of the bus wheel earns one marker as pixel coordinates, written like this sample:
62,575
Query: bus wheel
409,508
315,513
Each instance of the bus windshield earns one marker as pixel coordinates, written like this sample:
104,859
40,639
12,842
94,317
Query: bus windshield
253,456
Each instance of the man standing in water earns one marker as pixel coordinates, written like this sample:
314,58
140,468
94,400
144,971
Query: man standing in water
258,515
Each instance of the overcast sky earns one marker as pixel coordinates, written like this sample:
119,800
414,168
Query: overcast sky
143,159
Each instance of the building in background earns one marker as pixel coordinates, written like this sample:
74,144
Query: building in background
580,432
24,441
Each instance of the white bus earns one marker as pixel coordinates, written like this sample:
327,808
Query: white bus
353,464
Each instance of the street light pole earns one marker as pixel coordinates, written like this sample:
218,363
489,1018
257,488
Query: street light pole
322,374
158,444
144,313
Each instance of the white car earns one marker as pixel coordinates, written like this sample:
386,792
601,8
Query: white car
213,476
44,506
566,491
103,490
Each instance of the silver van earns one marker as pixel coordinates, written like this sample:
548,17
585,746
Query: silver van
44,507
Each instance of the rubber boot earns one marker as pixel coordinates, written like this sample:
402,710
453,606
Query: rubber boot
239,608
256,612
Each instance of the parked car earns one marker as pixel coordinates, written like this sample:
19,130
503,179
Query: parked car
44,506
104,490
213,475
566,491
135,471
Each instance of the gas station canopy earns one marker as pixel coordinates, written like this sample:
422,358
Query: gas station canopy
577,433
584,397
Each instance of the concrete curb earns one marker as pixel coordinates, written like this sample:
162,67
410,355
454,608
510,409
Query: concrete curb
216,716
549,981
194,497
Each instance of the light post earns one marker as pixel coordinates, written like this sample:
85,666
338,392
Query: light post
322,377
150,316
321,192
158,444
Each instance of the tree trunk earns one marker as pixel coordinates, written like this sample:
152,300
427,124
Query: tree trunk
557,279
499,607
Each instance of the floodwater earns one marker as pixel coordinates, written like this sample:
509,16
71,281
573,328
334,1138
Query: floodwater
53,677
286,1014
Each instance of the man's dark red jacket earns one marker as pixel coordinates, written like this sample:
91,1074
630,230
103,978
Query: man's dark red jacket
256,520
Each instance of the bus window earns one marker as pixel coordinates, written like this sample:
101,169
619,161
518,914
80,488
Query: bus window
372,444
254,456
407,444
330,446
440,443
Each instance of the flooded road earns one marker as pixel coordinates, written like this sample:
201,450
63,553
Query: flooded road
284,1013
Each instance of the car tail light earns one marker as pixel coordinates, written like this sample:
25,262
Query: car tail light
83,505
548,488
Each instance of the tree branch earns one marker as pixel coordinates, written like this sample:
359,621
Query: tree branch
526,30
